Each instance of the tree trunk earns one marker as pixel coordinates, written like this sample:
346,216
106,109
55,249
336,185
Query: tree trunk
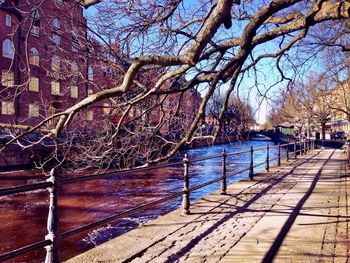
323,124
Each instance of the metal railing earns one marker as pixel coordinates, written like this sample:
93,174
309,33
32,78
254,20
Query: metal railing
54,183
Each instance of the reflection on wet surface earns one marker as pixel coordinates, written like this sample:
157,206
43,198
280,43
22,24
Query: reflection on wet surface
23,216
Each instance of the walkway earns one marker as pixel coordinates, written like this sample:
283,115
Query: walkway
295,213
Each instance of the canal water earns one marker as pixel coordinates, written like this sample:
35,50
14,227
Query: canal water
23,216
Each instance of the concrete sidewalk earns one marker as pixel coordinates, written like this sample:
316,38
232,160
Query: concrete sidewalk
295,213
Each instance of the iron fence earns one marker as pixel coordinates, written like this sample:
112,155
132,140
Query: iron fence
53,184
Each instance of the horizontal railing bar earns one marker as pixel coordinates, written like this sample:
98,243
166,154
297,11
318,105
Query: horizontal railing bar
258,164
238,172
196,187
118,215
69,180
24,188
205,158
238,153
274,159
259,149
23,250
240,162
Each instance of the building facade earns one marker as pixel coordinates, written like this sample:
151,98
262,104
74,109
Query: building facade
49,63
340,103
44,63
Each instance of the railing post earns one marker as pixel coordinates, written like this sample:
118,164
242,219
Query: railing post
307,146
305,150
251,165
279,155
186,194
52,251
267,167
301,147
223,173
287,152
295,149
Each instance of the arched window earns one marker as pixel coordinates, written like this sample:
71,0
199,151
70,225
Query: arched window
55,63
34,56
56,39
34,30
90,73
35,15
8,49
56,23
75,42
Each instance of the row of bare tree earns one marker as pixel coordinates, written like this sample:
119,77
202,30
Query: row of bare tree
322,98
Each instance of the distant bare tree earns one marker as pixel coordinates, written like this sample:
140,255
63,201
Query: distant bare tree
305,105
237,117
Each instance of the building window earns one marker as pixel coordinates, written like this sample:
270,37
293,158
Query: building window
7,78
34,31
33,110
106,108
7,108
90,115
75,42
35,28
74,92
74,68
8,20
34,56
90,73
59,1
56,24
8,49
35,15
55,63
56,39
55,88
34,84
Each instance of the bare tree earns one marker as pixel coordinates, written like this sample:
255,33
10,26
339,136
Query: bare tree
238,116
167,49
305,105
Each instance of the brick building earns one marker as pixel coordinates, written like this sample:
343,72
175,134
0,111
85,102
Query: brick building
48,63
44,64
180,121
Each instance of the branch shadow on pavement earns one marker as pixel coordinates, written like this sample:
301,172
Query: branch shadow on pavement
197,239
272,252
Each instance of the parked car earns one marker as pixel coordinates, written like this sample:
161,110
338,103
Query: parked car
338,135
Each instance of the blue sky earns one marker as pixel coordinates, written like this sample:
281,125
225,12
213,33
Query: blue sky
266,73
